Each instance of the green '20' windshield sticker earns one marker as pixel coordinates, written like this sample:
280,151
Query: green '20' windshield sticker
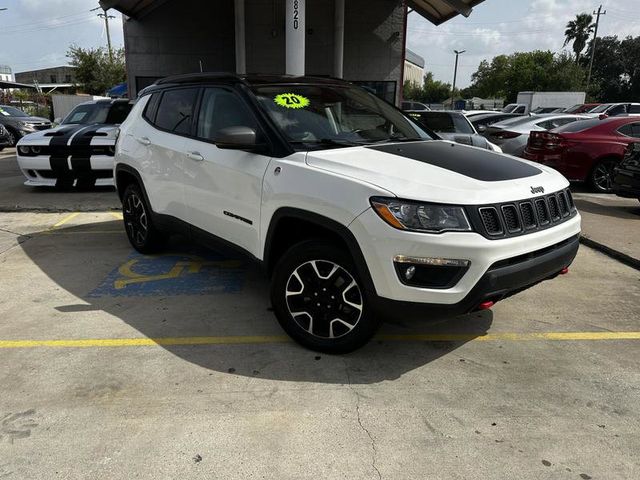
291,100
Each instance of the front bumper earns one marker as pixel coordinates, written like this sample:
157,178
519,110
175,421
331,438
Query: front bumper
626,183
380,243
41,171
502,280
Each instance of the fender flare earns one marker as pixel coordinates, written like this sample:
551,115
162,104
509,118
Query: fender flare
324,222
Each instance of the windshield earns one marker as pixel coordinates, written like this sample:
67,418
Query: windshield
334,115
443,122
8,111
509,108
98,113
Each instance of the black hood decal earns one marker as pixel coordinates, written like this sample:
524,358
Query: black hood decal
471,162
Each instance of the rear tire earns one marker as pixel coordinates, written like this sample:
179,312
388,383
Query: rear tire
142,234
601,176
319,299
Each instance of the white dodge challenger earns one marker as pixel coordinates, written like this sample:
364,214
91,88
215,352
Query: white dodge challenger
79,152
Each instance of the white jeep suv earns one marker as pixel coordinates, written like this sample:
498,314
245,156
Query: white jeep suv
354,211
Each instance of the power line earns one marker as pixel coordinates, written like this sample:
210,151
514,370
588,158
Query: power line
106,18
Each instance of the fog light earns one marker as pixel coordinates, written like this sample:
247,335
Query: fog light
410,272
436,262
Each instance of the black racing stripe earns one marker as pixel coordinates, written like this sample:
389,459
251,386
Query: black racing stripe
471,162
81,149
60,151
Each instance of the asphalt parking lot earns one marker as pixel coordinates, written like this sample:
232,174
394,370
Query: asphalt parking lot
118,365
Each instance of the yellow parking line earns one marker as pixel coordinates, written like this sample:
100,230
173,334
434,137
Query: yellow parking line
262,339
116,215
66,219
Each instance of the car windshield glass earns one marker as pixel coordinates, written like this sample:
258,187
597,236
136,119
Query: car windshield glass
443,122
98,113
334,116
8,111
509,108
601,108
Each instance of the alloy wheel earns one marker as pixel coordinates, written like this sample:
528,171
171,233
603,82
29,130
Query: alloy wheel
603,176
324,299
135,219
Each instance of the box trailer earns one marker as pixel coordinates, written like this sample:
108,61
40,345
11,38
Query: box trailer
529,102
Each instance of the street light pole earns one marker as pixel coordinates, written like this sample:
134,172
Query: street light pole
106,18
455,76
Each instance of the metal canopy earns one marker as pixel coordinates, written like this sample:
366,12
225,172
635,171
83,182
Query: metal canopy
5,84
436,11
440,11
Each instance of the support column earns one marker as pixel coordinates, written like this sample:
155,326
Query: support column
338,39
241,52
295,37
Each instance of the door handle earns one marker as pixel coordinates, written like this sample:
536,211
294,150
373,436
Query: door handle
143,140
195,156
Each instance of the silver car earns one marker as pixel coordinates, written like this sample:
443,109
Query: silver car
512,135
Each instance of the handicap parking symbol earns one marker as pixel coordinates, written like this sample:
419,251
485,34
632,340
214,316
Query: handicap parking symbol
173,274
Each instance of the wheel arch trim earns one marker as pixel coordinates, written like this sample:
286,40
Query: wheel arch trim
335,227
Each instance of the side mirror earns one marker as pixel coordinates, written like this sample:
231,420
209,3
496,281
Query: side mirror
603,116
238,138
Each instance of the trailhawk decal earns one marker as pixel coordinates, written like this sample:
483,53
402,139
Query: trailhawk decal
291,100
471,162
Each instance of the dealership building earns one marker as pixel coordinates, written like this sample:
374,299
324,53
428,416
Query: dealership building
363,41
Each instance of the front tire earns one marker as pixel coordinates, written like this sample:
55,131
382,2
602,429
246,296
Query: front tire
601,177
13,137
142,234
319,299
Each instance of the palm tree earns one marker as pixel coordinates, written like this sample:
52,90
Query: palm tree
578,32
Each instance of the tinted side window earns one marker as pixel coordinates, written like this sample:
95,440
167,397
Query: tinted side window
175,112
617,110
635,130
152,107
118,112
634,109
520,110
222,109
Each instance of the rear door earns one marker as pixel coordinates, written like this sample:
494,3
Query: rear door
161,137
223,188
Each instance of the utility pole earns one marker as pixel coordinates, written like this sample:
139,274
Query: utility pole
593,43
106,18
455,76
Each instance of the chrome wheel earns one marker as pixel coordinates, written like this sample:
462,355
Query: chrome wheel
135,219
324,299
602,176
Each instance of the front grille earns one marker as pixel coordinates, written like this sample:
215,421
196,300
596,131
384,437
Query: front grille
528,215
523,217
554,209
491,221
511,219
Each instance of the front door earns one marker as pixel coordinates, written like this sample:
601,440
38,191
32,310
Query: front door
223,188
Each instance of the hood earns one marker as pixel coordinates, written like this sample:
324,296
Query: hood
471,139
64,133
8,119
440,171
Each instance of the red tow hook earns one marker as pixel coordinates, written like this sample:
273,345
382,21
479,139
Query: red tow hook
486,305
564,271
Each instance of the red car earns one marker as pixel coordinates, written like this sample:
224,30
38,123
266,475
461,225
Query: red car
585,151
584,108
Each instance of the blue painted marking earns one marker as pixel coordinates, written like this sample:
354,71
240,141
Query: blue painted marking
199,273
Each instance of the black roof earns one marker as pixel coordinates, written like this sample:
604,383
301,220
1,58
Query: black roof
249,79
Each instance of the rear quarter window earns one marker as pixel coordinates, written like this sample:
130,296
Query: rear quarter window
579,126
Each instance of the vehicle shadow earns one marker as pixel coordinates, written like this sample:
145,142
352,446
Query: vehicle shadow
86,261
617,211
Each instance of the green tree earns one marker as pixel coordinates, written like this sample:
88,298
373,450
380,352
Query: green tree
506,75
578,32
96,71
432,91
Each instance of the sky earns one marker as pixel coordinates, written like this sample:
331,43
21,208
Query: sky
37,33
498,27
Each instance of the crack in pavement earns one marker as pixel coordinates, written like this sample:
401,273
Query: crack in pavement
359,418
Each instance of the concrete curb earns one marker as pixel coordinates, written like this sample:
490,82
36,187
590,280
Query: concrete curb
610,252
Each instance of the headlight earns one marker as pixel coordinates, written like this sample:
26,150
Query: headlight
24,124
24,150
421,217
